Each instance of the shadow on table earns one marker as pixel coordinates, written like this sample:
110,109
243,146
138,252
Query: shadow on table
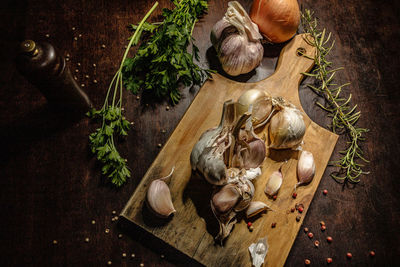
174,256
17,135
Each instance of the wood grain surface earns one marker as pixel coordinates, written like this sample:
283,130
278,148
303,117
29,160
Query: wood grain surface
51,187
192,228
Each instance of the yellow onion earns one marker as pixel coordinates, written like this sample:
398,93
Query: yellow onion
277,20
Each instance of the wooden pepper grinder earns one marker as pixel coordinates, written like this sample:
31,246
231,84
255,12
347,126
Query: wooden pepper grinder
45,68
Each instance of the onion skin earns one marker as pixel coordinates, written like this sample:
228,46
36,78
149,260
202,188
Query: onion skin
277,20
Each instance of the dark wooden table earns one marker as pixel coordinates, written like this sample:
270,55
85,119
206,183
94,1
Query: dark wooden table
51,187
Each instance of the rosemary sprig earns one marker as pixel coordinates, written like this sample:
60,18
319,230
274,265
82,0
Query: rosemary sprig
344,115
112,122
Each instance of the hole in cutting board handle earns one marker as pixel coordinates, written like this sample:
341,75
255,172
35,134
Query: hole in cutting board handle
301,51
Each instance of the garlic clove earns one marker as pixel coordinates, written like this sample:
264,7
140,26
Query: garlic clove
159,197
274,183
226,199
305,168
255,208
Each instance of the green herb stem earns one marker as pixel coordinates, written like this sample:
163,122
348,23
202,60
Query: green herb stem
344,116
102,140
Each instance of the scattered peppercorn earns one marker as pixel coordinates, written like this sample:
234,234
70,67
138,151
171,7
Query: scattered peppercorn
73,28
55,242
114,212
109,262
133,255
294,195
142,264
80,35
94,65
249,224
87,76
120,236
167,108
162,256
87,239
94,81
300,209
329,260
349,255
310,235
103,46
322,223
323,228
67,59
316,243
138,97
163,131
75,38
76,70
372,253
67,55
93,222
123,255
82,85
292,209
274,197
305,230
329,239
47,35
325,192
273,225
107,230
251,228
298,218
159,145
307,262
75,78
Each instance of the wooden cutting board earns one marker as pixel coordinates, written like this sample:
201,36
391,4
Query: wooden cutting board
192,229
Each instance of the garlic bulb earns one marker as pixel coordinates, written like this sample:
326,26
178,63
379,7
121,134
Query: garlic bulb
228,146
305,168
258,251
159,197
228,201
237,41
287,126
261,103
256,207
274,183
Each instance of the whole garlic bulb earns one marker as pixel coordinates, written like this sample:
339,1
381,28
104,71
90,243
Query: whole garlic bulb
287,127
237,41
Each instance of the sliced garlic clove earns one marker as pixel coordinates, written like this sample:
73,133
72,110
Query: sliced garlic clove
274,183
255,208
159,197
305,168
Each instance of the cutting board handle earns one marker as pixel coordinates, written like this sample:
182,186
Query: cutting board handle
295,58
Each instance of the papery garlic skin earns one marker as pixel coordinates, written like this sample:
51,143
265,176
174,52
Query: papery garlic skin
287,128
237,41
258,251
305,168
261,103
159,198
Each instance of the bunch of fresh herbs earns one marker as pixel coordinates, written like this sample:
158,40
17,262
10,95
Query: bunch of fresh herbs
162,63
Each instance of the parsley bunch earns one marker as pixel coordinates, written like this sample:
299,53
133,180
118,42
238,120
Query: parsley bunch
112,122
162,63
